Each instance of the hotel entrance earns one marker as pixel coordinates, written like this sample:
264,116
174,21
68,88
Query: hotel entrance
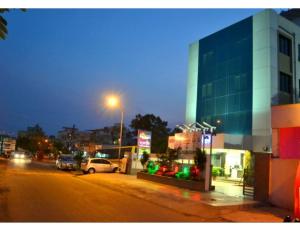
231,170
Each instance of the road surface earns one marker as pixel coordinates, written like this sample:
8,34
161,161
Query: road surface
37,192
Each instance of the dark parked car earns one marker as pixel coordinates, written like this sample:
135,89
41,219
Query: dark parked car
66,162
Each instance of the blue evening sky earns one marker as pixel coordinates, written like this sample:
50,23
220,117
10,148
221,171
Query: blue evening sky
56,64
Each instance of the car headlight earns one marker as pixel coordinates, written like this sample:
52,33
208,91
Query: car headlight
17,155
22,156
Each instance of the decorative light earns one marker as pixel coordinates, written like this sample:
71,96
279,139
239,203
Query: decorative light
152,168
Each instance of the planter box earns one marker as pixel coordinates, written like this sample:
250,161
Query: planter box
188,184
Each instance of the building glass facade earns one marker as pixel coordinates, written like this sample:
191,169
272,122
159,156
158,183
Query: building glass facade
225,79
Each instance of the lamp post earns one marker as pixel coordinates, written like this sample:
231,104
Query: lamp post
113,101
208,162
121,133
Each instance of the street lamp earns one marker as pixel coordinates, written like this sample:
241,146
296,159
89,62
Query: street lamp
113,101
208,163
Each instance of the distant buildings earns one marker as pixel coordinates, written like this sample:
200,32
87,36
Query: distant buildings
94,139
7,145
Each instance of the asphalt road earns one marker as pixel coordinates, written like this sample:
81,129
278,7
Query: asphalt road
38,192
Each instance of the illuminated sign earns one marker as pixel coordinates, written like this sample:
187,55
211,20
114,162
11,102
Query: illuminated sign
144,141
186,141
207,139
171,142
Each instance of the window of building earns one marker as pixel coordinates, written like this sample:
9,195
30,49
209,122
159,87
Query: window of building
233,103
284,45
298,52
221,105
209,90
299,88
285,83
203,90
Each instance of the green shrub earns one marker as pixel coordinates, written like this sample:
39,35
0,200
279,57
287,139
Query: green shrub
217,171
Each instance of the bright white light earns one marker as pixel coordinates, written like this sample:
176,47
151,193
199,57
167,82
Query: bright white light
17,155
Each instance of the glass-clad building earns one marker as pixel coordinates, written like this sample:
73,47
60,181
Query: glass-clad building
225,78
237,74
245,80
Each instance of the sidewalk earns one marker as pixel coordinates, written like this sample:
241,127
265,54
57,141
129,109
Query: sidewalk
209,205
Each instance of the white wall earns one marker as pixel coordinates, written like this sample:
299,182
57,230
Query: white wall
282,180
264,69
192,83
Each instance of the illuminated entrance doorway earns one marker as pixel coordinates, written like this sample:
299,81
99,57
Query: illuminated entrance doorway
230,167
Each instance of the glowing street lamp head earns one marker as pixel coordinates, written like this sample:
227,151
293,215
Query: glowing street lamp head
112,101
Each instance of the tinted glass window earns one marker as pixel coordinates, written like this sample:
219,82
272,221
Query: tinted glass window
95,161
285,83
100,161
67,158
284,45
299,87
104,162
221,105
225,79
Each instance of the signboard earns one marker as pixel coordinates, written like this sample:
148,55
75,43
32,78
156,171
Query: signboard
188,141
144,141
207,139
171,142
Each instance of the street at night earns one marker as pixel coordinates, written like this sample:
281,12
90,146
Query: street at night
152,114
37,192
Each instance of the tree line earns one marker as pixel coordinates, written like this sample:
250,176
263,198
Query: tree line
34,139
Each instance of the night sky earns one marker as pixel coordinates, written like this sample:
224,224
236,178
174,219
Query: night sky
56,64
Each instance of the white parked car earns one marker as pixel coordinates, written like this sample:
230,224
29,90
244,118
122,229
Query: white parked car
92,165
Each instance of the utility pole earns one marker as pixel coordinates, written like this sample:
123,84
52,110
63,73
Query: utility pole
121,134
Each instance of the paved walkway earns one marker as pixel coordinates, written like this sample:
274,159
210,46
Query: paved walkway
230,208
229,188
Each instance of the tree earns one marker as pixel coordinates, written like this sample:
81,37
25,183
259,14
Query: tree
158,127
33,139
56,146
169,157
200,158
79,155
3,23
